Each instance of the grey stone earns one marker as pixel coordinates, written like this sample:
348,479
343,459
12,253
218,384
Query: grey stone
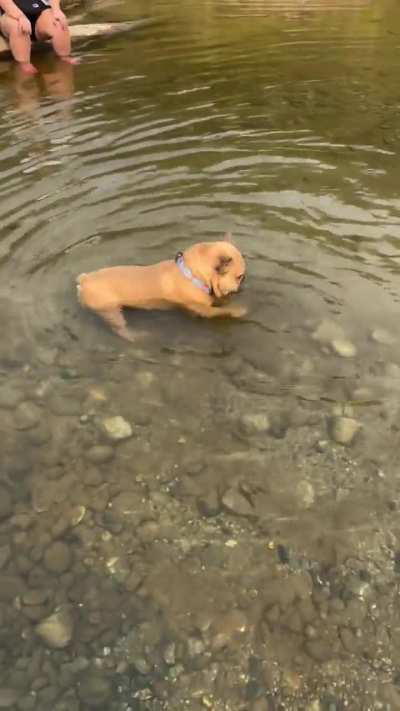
209,504
95,690
236,503
169,654
328,331
6,505
10,396
100,454
27,415
11,586
195,646
128,503
8,697
39,435
305,494
57,629
255,423
228,628
260,704
65,405
116,428
385,338
47,356
344,429
57,558
5,553
348,639
319,650
344,348
35,597
141,664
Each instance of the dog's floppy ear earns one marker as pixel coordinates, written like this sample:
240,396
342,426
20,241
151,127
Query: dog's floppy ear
222,264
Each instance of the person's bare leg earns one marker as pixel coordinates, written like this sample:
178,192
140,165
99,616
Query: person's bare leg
20,44
60,37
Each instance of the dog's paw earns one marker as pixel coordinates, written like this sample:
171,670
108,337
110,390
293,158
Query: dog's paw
238,311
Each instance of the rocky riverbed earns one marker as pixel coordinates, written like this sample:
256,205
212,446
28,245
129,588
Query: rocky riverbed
201,527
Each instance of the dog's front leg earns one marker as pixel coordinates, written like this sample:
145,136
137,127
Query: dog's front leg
234,311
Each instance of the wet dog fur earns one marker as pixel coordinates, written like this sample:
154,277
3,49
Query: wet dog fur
219,266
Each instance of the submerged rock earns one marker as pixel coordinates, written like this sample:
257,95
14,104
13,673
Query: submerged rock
10,397
254,423
236,503
305,494
27,415
100,454
344,429
328,331
8,697
57,629
380,335
344,348
95,690
57,558
6,505
116,428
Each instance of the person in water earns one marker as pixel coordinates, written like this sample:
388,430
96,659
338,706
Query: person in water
22,21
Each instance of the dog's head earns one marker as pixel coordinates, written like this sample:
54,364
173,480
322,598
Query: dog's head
228,268
219,264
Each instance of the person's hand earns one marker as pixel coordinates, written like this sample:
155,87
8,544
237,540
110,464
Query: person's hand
59,17
24,26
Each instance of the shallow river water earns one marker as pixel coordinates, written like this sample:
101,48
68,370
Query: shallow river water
238,549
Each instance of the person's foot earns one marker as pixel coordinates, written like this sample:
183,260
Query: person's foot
71,60
28,68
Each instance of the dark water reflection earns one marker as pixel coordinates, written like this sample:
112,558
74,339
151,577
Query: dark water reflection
230,553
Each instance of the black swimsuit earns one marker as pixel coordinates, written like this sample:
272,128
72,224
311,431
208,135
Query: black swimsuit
32,9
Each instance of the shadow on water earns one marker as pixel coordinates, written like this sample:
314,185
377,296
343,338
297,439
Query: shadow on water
209,518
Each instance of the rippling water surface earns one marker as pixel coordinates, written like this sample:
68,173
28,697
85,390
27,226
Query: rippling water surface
239,550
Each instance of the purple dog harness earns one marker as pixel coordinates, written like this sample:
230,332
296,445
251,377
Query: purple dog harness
189,275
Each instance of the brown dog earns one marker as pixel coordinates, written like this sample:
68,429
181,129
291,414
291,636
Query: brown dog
198,280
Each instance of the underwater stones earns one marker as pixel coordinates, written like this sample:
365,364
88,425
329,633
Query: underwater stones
328,331
344,348
331,334
208,504
27,415
6,505
10,396
116,428
305,494
343,430
8,697
11,586
64,405
100,454
383,337
57,558
254,423
236,503
35,597
95,690
57,629
227,628
5,555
